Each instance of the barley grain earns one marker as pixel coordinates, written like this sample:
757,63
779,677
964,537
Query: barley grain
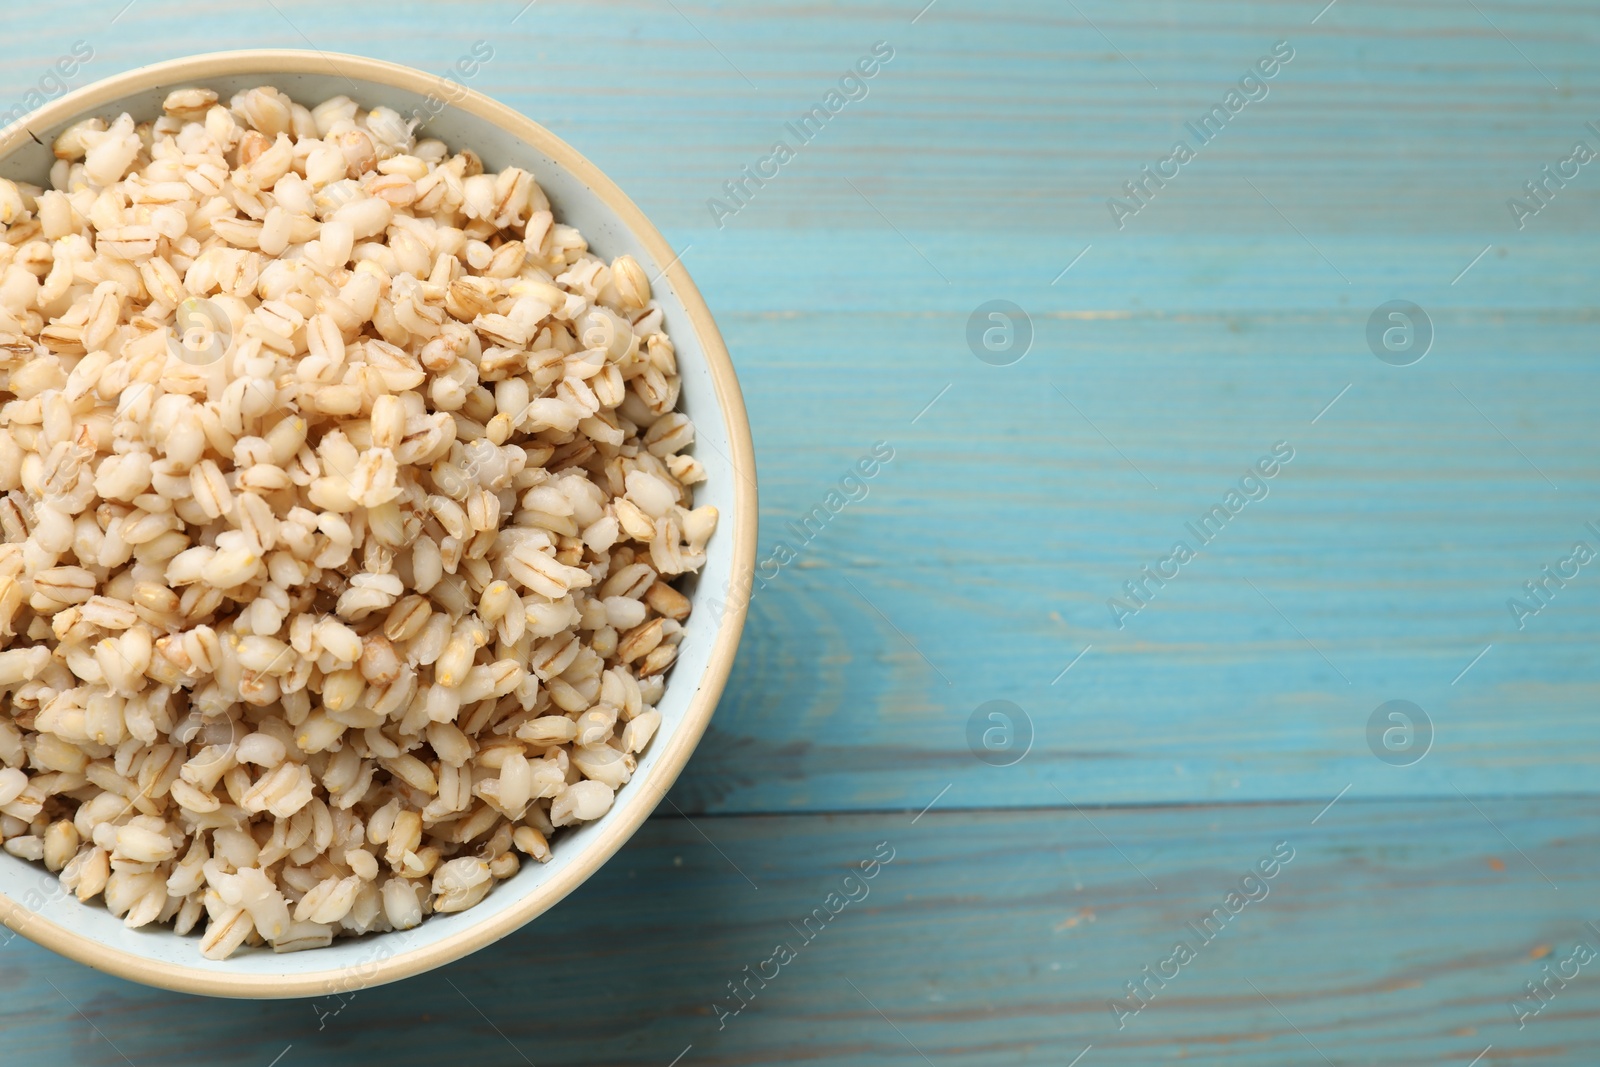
376,588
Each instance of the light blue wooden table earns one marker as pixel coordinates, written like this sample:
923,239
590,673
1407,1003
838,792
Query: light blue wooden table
1171,755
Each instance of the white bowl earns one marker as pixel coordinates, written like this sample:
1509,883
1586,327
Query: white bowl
32,901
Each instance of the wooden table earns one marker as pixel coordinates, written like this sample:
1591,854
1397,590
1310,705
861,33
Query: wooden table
1159,750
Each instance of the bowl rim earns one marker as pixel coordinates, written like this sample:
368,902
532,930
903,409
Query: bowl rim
404,964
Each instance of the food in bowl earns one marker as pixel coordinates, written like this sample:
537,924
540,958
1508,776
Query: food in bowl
344,490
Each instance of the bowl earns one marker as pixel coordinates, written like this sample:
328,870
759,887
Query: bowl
32,901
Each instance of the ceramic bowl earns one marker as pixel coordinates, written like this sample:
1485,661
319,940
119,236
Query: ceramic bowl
33,903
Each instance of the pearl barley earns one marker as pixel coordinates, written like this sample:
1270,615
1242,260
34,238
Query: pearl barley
340,485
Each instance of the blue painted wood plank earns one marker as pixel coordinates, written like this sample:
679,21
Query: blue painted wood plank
1398,933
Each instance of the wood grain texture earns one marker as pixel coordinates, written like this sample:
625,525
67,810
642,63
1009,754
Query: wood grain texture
1397,934
1224,316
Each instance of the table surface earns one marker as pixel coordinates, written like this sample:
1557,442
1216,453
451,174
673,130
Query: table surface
1156,751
